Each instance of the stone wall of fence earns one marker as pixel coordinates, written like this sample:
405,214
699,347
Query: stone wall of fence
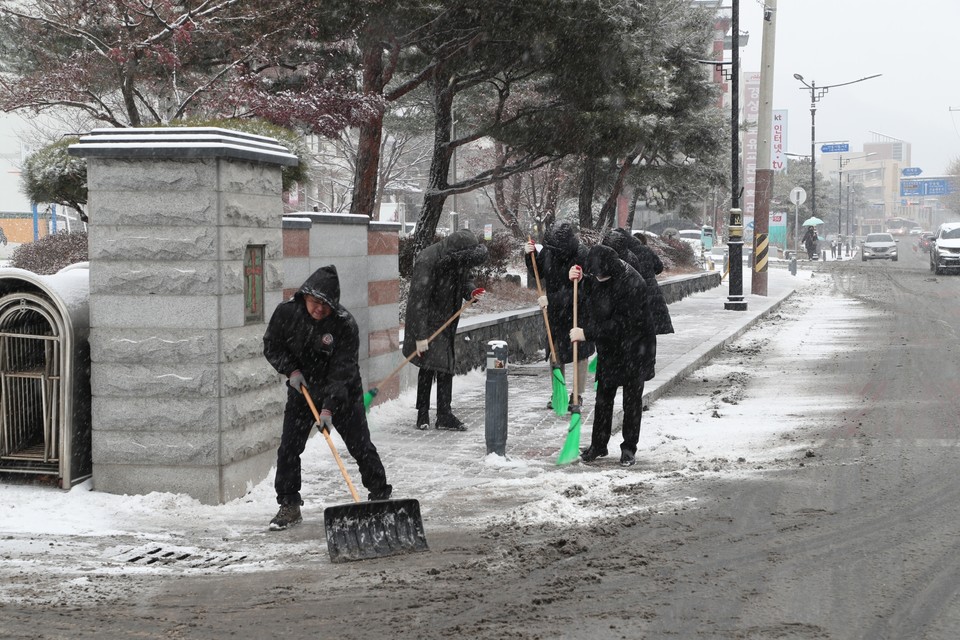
524,330
365,254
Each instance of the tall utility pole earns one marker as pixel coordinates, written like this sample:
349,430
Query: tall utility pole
761,217
735,301
816,93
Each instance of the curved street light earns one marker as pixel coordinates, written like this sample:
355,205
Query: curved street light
816,93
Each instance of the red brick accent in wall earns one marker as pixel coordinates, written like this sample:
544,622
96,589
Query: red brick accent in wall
380,243
383,292
383,341
296,243
288,293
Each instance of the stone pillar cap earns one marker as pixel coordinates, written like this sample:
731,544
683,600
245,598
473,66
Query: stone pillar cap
181,142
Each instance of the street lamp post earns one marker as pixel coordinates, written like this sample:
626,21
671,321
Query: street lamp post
735,301
840,165
816,93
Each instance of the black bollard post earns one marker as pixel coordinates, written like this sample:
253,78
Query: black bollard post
495,408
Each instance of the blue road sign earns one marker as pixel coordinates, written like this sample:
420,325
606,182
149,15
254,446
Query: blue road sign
911,171
925,187
839,147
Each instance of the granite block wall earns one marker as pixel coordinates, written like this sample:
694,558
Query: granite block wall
182,398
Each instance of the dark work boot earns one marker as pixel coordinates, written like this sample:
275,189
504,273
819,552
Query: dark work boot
590,454
287,516
423,420
382,494
450,422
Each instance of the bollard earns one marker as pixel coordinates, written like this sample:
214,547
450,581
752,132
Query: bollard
793,266
495,408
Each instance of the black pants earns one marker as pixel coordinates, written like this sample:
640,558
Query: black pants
444,391
632,415
350,422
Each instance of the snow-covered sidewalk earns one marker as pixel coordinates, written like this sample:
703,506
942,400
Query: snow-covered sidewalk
75,539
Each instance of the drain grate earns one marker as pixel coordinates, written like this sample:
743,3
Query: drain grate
192,558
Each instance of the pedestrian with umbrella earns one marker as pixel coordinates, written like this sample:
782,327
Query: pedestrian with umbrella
810,241
619,322
561,250
440,283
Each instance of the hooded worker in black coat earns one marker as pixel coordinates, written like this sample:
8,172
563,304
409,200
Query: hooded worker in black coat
650,267
314,341
618,321
561,250
439,286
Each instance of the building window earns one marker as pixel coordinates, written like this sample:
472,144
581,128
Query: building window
253,283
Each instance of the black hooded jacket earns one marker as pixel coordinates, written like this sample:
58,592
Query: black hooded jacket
619,320
561,250
648,264
325,351
438,288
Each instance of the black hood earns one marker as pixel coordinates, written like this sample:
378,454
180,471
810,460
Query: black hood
564,239
602,261
463,250
615,240
323,284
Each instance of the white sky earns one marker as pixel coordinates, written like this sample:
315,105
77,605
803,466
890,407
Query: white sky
829,42
837,41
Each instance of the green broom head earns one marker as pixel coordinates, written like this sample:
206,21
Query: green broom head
592,367
368,399
571,447
559,400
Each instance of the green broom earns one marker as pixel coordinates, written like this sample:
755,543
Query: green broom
372,393
592,368
559,400
571,446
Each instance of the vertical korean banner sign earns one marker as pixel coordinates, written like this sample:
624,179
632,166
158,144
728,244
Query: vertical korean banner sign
751,114
778,141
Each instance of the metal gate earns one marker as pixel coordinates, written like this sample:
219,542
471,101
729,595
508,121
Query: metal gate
44,410
30,389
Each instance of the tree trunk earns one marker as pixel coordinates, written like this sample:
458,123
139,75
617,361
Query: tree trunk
632,210
552,196
368,147
587,186
435,195
608,212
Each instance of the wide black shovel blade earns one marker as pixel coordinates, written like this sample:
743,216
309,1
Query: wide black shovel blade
365,530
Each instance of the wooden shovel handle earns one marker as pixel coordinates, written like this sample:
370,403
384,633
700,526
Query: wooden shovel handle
546,320
336,456
576,360
429,340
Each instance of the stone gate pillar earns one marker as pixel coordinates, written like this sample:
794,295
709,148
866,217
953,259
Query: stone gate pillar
185,257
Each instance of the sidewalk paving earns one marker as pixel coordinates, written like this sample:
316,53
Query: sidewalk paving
436,463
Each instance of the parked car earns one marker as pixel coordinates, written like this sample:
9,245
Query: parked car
945,251
879,246
926,241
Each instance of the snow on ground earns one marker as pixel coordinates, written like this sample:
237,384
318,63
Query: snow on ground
737,416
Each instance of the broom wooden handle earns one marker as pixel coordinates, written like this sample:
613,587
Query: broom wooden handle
546,320
429,340
576,361
336,456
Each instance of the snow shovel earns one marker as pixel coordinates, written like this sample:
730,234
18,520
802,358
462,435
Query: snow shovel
558,400
372,393
365,530
571,446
